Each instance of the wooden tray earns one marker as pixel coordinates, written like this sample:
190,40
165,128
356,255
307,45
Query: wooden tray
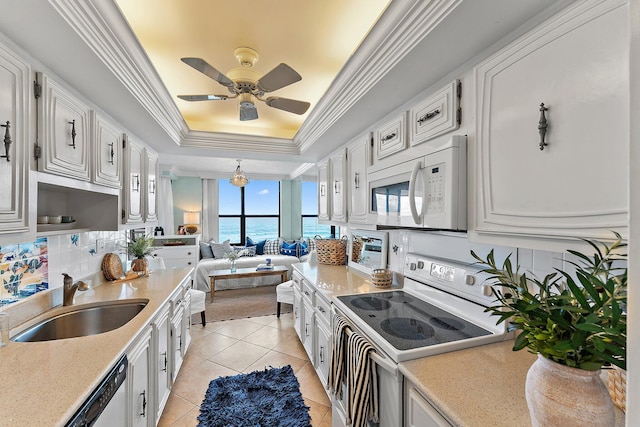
112,267
175,243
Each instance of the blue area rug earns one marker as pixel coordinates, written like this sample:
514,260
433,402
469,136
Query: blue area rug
261,398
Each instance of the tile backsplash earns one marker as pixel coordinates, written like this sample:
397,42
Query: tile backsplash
23,270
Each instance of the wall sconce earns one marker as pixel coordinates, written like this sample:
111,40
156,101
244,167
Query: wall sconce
191,221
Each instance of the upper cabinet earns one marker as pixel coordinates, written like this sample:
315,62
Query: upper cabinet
440,113
553,128
64,131
151,187
338,188
133,203
324,196
358,159
107,155
15,81
390,137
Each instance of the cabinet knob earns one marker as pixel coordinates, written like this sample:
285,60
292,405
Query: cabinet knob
189,263
188,253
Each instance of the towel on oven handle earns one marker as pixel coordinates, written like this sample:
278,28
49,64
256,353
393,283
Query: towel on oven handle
351,359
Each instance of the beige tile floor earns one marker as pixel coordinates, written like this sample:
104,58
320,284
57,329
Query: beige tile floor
238,346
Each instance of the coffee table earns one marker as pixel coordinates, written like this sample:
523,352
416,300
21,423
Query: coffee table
243,273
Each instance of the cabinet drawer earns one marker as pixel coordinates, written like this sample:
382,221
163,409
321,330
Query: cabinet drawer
308,292
323,309
297,281
175,252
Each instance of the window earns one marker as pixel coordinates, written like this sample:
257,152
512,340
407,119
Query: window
310,226
252,210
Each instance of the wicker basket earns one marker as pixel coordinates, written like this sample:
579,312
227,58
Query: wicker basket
618,387
356,247
331,251
381,278
112,267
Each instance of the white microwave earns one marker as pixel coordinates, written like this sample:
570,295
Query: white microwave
427,192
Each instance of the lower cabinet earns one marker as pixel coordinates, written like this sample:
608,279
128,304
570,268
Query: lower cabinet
155,357
139,381
418,412
161,329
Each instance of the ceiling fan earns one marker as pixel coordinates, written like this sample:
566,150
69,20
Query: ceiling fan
248,85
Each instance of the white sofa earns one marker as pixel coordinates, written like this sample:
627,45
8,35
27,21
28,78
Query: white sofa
207,265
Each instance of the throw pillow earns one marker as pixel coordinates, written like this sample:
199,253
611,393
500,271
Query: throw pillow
272,247
221,249
290,249
245,250
303,248
258,245
311,243
205,250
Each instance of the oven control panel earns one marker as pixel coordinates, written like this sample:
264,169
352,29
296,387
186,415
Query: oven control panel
465,280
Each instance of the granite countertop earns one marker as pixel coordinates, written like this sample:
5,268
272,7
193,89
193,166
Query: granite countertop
480,386
44,383
336,280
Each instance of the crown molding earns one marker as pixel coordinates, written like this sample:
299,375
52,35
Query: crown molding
102,27
400,28
236,142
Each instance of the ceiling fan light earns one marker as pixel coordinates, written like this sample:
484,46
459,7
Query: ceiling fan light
239,179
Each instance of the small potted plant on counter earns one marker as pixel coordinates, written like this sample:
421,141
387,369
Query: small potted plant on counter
575,322
139,248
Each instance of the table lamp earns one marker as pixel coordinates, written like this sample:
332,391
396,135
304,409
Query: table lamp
191,221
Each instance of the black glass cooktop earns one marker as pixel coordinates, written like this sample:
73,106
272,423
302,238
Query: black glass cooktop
407,322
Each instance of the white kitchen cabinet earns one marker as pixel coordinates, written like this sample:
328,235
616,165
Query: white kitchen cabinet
178,343
298,311
438,114
322,346
391,137
15,81
107,153
161,330
324,194
358,159
576,64
338,188
150,175
139,380
133,203
418,412
64,131
175,255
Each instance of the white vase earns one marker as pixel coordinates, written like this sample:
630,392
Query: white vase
558,395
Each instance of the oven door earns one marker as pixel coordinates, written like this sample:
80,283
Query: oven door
396,195
389,387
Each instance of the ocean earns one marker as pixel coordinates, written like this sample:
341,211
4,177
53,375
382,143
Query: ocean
265,228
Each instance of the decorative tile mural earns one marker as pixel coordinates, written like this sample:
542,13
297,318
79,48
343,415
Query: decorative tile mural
23,270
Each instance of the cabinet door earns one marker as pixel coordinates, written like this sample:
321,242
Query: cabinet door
322,353
391,137
64,132
298,314
151,187
139,381
133,188
418,412
163,386
15,78
577,185
177,342
358,160
107,155
324,176
308,326
338,187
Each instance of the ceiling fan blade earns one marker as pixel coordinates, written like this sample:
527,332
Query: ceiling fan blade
203,97
248,111
206,69
286,104
279,77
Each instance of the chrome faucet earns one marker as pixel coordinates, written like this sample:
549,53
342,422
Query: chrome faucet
69,289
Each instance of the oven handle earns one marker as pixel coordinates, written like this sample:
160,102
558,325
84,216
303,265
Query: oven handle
412,194
379,360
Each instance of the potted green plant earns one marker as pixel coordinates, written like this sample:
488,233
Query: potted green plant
575,322
139,248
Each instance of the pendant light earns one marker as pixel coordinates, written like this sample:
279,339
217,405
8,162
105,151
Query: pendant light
239,179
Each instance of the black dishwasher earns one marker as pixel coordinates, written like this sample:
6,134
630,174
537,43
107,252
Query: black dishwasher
91,409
